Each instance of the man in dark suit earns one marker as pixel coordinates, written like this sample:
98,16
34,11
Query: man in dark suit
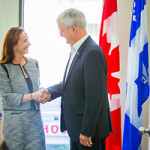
85,112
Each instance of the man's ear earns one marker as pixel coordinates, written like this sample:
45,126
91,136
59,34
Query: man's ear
74,28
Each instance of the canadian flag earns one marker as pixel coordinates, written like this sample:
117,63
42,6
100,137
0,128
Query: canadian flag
109,43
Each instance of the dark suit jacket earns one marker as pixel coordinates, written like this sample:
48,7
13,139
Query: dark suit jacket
84,105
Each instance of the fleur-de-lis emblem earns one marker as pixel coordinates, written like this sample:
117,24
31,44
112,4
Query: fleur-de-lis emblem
145,78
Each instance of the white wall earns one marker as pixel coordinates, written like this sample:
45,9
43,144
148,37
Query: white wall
0,14
9,17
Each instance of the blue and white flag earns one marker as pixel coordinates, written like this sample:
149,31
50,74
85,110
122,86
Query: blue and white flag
137,77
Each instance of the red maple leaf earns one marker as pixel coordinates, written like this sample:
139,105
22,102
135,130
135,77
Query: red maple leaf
112,66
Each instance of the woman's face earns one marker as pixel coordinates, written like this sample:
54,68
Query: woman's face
23,44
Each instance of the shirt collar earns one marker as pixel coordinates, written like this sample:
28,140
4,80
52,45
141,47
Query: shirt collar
76,46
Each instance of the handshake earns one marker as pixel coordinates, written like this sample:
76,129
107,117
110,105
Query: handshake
41,96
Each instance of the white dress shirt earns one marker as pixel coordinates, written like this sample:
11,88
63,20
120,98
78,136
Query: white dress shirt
73,52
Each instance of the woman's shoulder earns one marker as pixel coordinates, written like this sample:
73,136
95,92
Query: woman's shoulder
30,60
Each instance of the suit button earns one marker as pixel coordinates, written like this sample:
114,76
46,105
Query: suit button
65,94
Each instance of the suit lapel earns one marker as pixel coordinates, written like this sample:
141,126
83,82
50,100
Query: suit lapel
66,70
73,63
79,52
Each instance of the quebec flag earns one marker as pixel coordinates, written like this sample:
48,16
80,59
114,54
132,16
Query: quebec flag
137,77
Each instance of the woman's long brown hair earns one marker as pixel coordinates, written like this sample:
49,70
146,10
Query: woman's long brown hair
3,146
10,40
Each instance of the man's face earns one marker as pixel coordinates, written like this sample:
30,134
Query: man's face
67,33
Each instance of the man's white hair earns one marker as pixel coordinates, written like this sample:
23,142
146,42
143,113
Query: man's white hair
72,17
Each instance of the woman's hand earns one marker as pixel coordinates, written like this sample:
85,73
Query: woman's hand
41,96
